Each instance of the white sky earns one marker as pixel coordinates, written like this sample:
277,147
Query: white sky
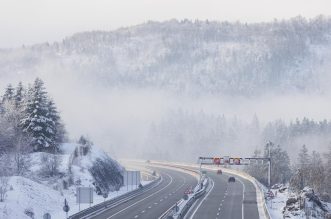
35,21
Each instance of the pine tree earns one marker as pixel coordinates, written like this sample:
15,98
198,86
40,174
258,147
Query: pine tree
19,96
9,94
317,172
58,136
280,161
36,122
327,184
304,160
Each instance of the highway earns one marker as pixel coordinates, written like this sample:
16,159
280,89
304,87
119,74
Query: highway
156,201
226,200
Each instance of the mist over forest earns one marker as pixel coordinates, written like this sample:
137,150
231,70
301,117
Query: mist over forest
175,87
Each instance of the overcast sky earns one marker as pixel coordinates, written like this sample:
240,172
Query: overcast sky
34,21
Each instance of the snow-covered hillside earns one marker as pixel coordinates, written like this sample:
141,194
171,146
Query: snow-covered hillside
34,193
287,204
185,56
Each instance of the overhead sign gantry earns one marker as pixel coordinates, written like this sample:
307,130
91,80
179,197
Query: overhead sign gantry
227,160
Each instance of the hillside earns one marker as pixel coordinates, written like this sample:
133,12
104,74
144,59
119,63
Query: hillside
188,57
35,193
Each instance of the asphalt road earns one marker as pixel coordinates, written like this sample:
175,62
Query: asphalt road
156,201
226,200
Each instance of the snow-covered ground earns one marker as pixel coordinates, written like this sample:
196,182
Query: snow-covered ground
40,196
40,199
276,205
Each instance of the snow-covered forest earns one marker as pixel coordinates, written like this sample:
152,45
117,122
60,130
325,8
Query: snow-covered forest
29,120
179,89
190,56
231,84
38,164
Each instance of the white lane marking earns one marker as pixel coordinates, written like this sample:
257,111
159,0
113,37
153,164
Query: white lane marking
242,206
164,213
171,179
161,200
143,211
136,216
126,199
150,207
196,209
155,203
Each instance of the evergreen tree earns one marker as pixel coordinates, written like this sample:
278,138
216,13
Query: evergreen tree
301,178
280,168
36,122
19,95
317,172
58,136
328,171
280,164
304,161
9,93
257,169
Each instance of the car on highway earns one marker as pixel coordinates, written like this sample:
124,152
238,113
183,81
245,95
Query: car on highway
231,179
219,171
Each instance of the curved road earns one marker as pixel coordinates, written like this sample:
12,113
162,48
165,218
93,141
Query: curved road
153,203
226,200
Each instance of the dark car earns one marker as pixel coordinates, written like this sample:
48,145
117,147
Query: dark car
219,171
231,179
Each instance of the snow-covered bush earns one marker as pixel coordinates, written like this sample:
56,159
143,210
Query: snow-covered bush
325,197
50,164
29,212
106,174
88,160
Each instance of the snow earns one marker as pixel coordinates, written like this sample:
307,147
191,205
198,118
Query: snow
276,206
27,194
42,196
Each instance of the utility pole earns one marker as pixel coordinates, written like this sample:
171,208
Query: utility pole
269,167
200,170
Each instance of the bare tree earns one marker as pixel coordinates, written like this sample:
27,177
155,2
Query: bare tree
20,155
3,187
50,164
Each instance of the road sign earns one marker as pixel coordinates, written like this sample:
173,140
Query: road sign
131,178
217,160
226,159
236,161
84,195
247,161
270,194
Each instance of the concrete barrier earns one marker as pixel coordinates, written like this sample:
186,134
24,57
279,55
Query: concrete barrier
260,197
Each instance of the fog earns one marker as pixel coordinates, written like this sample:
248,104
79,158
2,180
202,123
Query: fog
136,93
119,120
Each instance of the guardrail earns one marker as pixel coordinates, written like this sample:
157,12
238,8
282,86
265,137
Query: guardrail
185,205
178,210
114,202
260,196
